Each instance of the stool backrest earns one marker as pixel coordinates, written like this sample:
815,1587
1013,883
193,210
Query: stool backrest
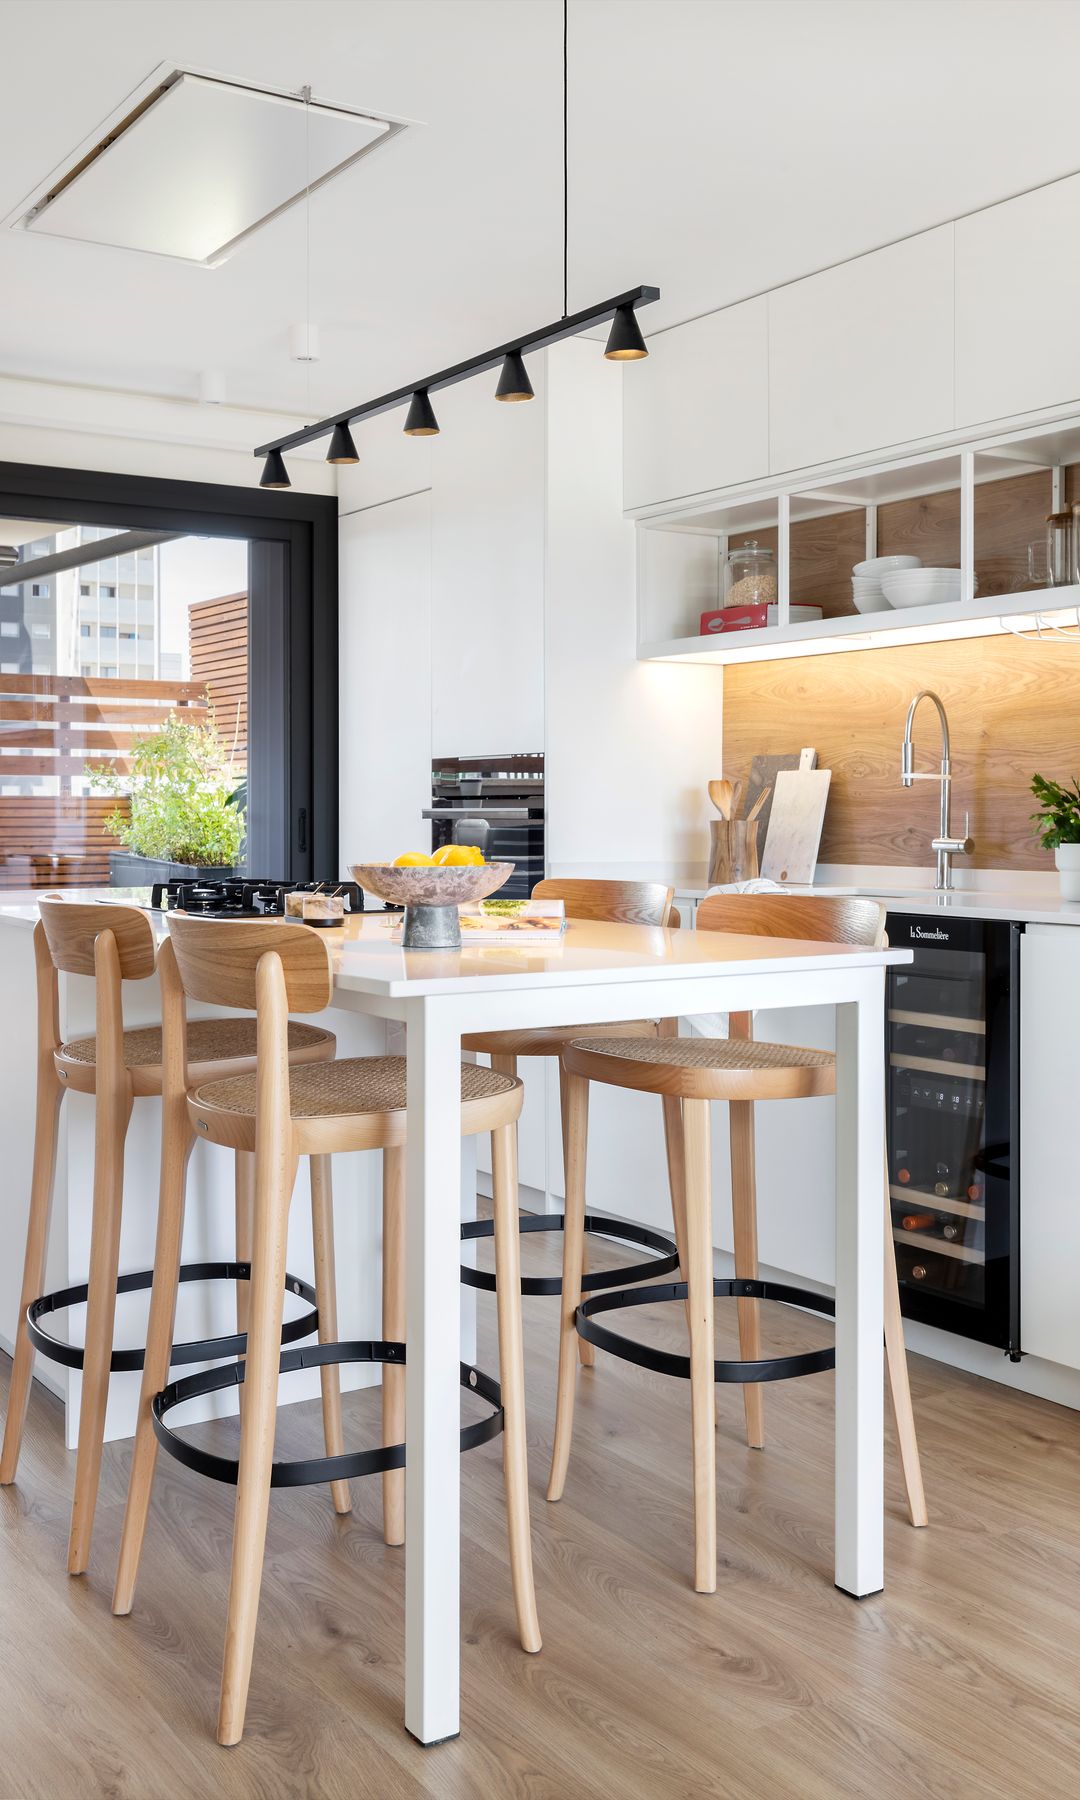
826,918
610,902
72,928
218,959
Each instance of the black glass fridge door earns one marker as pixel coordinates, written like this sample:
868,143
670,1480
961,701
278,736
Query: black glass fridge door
949,1125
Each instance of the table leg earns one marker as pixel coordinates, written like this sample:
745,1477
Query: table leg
860,1128
432,1394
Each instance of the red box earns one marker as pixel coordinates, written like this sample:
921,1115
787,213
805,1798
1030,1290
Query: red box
735,618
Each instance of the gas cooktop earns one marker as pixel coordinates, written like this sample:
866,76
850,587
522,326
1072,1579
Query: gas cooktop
245,898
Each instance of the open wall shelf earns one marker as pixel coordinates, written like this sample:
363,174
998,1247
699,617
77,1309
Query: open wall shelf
976,507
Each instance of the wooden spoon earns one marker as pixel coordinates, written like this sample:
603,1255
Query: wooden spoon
736,798
720,793
758,804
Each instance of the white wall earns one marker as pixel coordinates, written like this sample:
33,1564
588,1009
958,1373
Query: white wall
137,434
493,565
630,746
384,718
487,570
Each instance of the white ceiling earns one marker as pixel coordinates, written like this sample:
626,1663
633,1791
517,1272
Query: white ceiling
717,148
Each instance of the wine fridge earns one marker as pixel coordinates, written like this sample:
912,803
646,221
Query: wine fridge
952,1026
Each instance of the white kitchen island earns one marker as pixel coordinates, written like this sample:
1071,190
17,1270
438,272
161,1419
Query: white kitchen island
595,973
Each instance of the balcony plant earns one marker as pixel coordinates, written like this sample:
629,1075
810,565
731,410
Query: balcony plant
1058,823
186,814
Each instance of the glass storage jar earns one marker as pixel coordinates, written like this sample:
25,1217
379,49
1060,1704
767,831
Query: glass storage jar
1059,549
750,575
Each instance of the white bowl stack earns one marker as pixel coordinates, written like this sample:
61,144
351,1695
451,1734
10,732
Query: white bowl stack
867,581
921,587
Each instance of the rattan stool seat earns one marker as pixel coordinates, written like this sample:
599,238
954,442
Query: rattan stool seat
208,1040
351,1086
705,1068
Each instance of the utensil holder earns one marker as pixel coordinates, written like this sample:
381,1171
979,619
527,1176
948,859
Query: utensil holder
733,852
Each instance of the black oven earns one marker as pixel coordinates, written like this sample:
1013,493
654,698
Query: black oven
953,1110
496,803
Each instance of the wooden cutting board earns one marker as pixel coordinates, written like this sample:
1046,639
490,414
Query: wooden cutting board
763,773
795,822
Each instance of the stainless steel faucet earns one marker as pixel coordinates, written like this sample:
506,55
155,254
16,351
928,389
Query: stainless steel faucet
945,844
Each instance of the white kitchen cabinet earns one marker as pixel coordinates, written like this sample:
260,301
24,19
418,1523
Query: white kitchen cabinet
384,663
695,414
861,355
1049,1166
487,564
1017,294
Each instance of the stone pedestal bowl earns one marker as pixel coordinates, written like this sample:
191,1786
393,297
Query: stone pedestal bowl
431,897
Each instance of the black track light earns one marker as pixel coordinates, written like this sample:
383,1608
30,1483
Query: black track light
342,449
275,474
421,420
625,342
514,383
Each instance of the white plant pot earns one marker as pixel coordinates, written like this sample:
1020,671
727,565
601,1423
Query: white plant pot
1067,857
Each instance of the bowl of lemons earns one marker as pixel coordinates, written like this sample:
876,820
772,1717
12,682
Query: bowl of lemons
431,888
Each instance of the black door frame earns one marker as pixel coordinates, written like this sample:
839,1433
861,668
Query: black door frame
298,652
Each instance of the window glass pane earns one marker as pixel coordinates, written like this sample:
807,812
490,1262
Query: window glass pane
156,641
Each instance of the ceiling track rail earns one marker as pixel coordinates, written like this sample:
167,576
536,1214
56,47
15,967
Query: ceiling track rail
570,325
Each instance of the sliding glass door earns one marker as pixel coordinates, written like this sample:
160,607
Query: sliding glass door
158,658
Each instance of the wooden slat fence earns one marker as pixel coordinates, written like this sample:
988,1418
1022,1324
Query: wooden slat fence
58,725
218,637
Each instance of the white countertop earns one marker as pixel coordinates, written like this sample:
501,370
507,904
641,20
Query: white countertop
1024,905
368,961
1030,896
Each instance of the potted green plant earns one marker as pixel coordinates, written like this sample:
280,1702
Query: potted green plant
186,813
1058,822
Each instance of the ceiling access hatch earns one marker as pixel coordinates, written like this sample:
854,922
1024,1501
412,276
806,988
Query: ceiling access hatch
193,164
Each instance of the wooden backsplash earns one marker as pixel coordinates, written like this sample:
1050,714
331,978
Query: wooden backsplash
1013,706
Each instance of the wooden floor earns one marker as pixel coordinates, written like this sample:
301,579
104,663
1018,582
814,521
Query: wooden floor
961,1682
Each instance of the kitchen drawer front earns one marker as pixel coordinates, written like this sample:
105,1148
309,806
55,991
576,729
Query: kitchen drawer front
861,356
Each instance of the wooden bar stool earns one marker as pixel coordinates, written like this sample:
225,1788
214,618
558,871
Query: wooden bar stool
693,1072
612,903
352,1104
113,944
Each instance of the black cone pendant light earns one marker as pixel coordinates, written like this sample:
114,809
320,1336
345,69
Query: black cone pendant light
625,342
421,420
275,474
342,449
514,383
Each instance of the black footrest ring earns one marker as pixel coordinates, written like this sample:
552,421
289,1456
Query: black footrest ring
666,1261
664,1362
203,1350
315,1470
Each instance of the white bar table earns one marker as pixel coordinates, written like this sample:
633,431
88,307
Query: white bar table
594,974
